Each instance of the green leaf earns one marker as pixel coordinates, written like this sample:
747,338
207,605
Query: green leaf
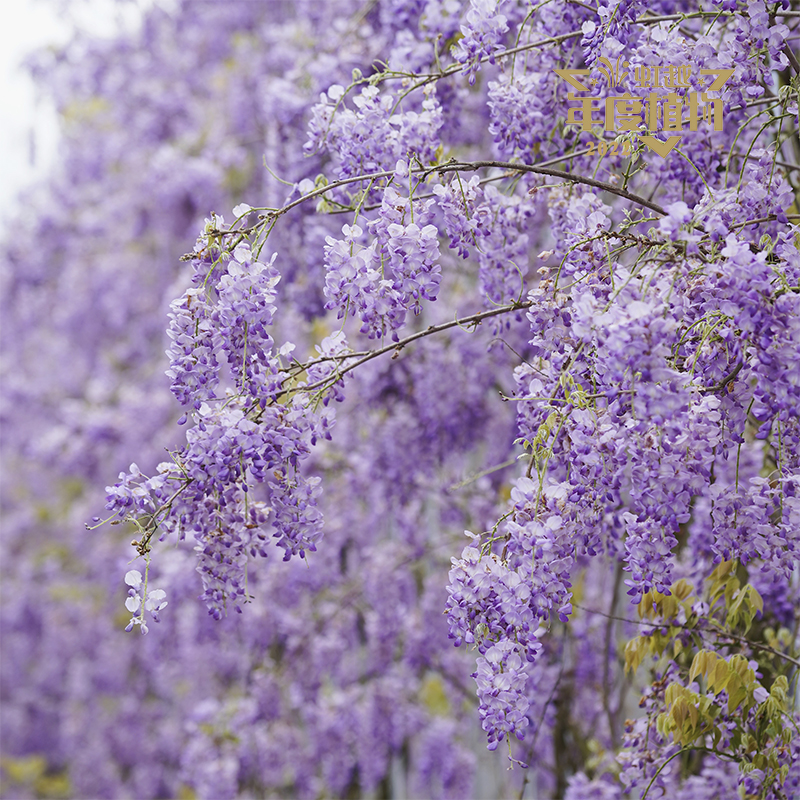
635,650
698,665
721,676
736,696
433,696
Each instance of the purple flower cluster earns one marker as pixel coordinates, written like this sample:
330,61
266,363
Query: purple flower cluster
762,193
242,315
505,607
489,605
483,36
744,525
612,32
242,439
354,286
206,490
381,282
131,495
194,369
457,201
757,45
521,111
413,257
490,602
409,243
373,135
297,521
226,317
222,555
502,246
502,690
545,545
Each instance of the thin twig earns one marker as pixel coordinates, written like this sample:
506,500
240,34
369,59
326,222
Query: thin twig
452,166
725,381
553,173
473,319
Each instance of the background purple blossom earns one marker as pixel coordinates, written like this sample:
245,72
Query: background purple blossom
301,269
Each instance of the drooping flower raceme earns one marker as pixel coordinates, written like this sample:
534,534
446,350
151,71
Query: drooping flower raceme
240,439
482,35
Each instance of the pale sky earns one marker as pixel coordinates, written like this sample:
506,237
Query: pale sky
26,25
28,129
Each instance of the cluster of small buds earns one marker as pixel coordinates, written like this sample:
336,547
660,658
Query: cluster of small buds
221,562
140,600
